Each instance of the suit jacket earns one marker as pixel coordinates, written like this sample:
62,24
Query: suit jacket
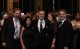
42,39
64,35
8,31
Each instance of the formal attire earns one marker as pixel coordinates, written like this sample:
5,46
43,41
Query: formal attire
11,30
27,36
64,34
42,36
52,28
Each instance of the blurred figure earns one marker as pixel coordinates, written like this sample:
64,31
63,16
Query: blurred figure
50,17
78,16
64,33
11,30
76,27
52,29
69,17
27,34
42,34
5,16
35,16
23,16
56,13
1,32
28,14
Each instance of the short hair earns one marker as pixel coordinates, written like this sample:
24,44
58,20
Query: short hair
41,10
16,9
63,10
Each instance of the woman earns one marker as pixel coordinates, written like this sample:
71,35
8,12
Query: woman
76,29
52,21
26,36
53,29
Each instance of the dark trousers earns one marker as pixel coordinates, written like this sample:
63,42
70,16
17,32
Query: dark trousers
15,44
75,41
41,45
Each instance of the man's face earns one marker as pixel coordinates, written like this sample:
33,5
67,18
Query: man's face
62,14
16,13
41,14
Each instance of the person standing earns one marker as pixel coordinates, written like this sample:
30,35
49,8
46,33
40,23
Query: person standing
11,30
41,32
64,33
27,34
53,27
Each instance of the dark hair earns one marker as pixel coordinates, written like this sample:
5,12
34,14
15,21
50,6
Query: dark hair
63,10
25,25
52,14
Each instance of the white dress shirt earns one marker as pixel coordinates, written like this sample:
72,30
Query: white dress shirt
43,24
17,28
2,22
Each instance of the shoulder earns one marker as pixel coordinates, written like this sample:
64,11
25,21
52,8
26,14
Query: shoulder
9,19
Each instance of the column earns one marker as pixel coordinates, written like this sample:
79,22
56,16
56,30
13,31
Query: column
38,4
9,5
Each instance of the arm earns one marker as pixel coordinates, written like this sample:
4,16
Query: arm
21,40
4,32
65,47
53,43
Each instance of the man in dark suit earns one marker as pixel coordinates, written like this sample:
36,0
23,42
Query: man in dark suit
11,31
64,33
41,32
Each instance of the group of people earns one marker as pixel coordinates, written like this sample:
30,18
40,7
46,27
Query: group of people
43,32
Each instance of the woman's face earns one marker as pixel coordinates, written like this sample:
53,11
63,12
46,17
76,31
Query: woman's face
50,17
28,21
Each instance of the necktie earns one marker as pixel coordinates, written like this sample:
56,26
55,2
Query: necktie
41,26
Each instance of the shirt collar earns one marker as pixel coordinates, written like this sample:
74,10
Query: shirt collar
41,20
63,20
13,19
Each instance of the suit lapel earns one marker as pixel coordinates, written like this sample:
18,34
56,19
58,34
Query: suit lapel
63,24
12,23
37,26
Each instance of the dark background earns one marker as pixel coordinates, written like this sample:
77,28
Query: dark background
3,6
28,5
69,5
